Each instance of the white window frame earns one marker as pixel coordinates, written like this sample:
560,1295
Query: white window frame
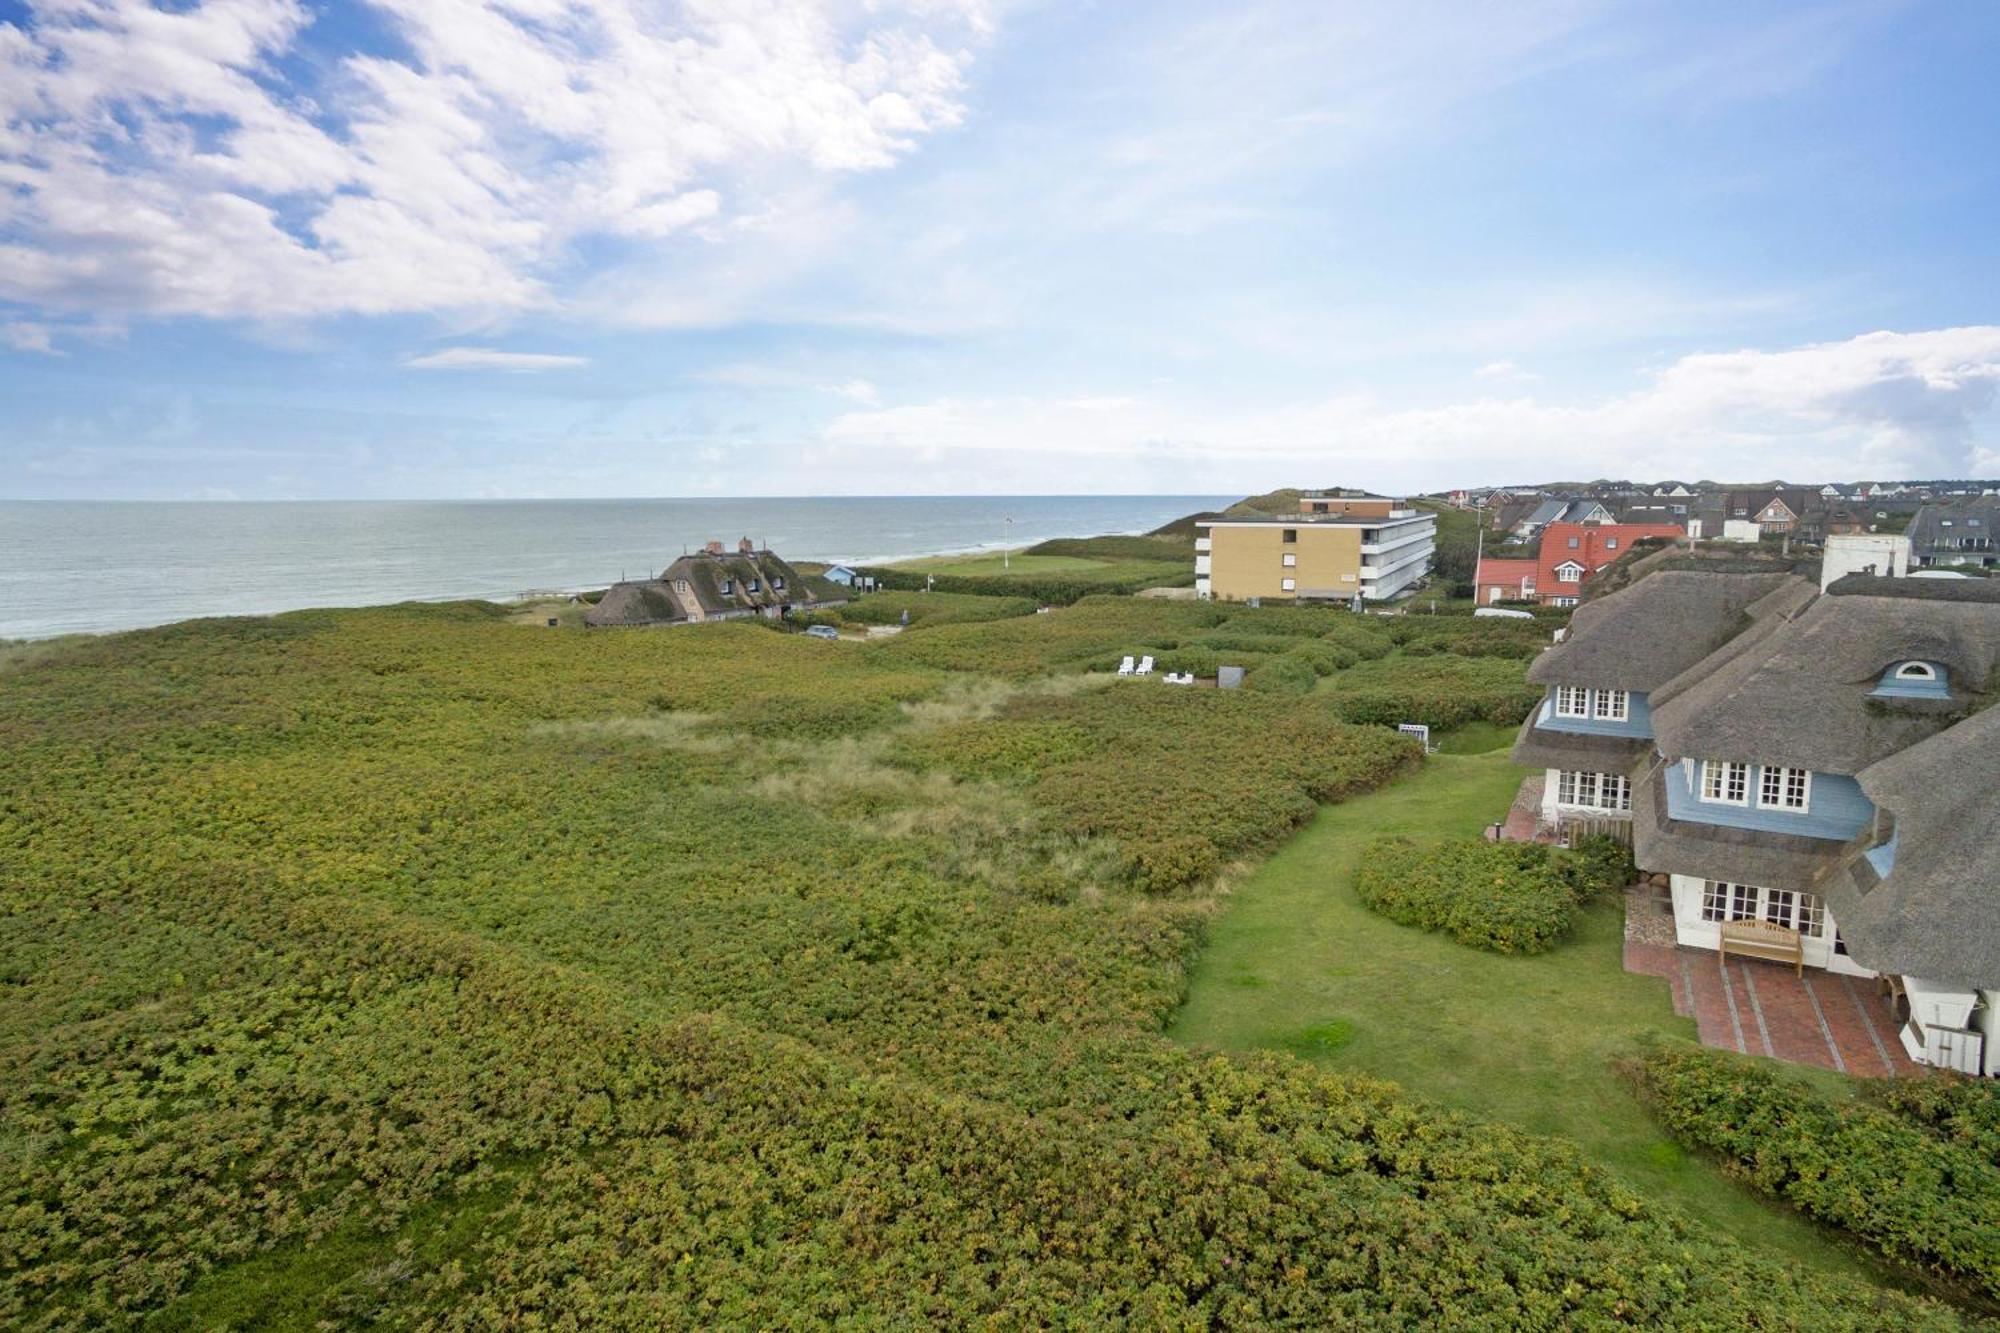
1561,577
1562,601
1288,585
1610,705
1804,912
1719,776
727,588
1572,701
1593,791
1787,789
1916,671
1290,559
1610,543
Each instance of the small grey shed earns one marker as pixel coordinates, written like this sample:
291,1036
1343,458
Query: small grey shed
1229,677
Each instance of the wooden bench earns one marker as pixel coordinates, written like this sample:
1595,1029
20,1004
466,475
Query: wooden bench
1762,939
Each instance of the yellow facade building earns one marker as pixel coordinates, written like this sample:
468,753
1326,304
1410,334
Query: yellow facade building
1373,548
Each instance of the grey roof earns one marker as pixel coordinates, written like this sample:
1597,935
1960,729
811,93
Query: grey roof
1800,694
1641,637
1937,914
1976,517
1661,843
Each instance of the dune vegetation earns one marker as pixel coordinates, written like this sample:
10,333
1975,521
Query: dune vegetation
417,967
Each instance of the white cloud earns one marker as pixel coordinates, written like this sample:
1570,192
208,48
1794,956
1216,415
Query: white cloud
171,162
488,358
1895,404
860,391
25,337
1503,370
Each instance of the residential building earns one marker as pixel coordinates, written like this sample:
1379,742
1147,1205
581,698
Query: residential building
1541,515
1352,504
1572,552
1504,580
1371,547
1797,759
1956,533
711,584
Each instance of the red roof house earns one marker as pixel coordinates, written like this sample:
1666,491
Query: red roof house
1504,581
1572,552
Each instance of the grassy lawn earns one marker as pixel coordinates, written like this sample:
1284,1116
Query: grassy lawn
1297,963
987,563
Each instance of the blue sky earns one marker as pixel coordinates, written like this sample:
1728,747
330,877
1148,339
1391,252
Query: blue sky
606,247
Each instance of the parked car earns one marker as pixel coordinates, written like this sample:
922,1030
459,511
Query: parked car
823,631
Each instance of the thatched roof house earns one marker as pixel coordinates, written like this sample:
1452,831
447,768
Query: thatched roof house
712,584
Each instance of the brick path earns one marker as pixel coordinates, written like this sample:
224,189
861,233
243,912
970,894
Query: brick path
1524,817
1823,1018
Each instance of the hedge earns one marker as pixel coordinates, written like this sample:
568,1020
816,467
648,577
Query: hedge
1915,1196
1047,589
1506,897
1443,691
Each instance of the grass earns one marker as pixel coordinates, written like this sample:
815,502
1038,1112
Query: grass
1298,964
1476,738
989,564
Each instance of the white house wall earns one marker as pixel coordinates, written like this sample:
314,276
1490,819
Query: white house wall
1695,933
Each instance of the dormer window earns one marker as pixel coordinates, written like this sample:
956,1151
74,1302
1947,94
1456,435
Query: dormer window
1785,789
1916,671
1610,705
1725,783
1914,680
1572,701
777,583
750,586
1568,572
727,586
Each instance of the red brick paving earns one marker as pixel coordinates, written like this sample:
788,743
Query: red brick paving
1827,1019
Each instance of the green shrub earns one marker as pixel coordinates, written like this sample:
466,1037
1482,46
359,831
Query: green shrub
1964,1111
1917,1197
1284,674
931,608
1506,897
1603,865
1442,692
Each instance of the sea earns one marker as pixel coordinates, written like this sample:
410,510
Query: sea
75,567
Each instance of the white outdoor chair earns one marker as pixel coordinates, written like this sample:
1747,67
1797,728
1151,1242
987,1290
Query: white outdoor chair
1145,666
1125,667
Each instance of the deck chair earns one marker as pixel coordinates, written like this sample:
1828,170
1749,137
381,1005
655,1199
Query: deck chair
1145,666
1125,667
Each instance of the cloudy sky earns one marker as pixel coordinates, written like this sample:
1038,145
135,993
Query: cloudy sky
260,248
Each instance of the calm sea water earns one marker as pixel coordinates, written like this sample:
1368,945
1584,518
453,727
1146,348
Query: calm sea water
85,567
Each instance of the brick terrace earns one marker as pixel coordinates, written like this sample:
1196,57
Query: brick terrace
1823,1018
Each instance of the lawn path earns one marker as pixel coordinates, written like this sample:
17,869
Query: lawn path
1297,963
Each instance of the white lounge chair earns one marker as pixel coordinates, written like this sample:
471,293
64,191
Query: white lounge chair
1125,667
1145,666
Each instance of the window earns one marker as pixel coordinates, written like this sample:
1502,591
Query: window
1563,601
778,583
1610,543
1727,784
1572,701
1598,791
1289,585
1574,542
1291,534
1291,559
1916,671
1728,902
1611,705
1785,788
1796,911
726,586
1568,572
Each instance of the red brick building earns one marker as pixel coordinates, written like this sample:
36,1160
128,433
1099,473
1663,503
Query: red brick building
1572,552
1504,580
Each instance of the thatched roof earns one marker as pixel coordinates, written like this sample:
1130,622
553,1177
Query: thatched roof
1937,914
1801,694
1715,851
629,605
1540,747
1641,637
1920,589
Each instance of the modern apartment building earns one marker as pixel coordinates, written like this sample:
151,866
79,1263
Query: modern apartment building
1800,766
1367,546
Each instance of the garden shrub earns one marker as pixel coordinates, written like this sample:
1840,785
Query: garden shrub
931,608
1441,692
1963,1111
1917,1197
1602,864
1284,674
1505,897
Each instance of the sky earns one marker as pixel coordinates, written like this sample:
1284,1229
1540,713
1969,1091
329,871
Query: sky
459,248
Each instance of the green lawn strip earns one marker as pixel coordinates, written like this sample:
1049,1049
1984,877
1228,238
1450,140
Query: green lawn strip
1476,738
1297,963
991,562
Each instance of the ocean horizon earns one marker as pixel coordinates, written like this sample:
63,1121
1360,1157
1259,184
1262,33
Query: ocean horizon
85,567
